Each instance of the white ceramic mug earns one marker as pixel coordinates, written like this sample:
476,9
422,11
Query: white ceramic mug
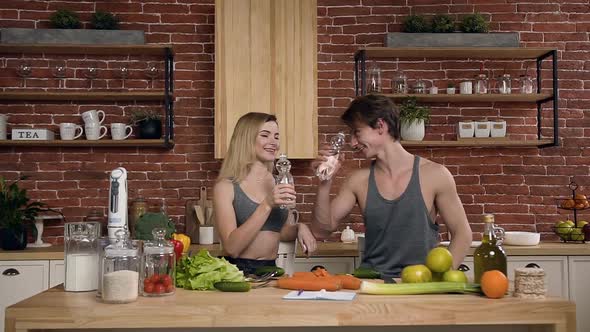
3,122
120,131
68,131
466,88
93,117
95,132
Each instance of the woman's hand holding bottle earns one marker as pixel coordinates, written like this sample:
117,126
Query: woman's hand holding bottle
281,195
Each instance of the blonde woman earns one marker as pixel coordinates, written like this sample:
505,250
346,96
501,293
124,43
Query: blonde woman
247,202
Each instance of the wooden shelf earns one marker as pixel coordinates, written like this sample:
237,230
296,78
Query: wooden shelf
94,49
457,52
483,142
515,97
155,143
83,96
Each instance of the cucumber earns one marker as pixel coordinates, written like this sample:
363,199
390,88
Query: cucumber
268,269
232,286
366,273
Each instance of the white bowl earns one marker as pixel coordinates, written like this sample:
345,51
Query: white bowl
521,238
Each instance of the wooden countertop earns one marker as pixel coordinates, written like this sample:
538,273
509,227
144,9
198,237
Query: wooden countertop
327,249
56,309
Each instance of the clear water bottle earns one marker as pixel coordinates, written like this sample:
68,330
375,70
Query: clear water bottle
284,176
326,169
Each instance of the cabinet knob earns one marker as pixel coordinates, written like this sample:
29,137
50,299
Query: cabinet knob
10,272
533,265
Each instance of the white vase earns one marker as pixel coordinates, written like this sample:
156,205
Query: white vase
413,131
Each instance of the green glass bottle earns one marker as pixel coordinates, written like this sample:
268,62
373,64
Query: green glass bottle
489,255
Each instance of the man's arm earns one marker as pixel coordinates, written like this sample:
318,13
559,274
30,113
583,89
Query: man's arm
327,215
451,210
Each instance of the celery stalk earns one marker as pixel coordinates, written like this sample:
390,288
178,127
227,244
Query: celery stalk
368,287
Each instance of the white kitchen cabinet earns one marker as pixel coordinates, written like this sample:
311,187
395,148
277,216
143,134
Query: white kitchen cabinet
556,272
57,272
20,280
579,292
334,265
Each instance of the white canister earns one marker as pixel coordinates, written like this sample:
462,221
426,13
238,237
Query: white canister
482,128
466,88
466,129
206,235
498,128
433,90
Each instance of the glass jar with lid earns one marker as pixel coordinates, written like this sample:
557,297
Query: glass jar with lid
81,256
420,86
399,84
374,79
120,270
526,84
158,266
504,84
481,84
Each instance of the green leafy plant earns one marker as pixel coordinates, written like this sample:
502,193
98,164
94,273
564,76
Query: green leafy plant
16,209
410,112
416,23
450,85
65,19
142,115
105,21
474,23
443,24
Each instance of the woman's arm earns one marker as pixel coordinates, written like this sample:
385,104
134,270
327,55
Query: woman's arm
292,230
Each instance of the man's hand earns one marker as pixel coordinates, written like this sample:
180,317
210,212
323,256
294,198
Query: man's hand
306,239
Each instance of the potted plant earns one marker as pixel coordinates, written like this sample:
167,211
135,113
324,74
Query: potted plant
65,19
416,24
148,122
474,23
412,119
16,214
451,88
105,21
442,24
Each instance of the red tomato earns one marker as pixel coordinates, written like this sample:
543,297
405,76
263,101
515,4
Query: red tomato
169,288
147,281
148,288
166,280
159,289
155,278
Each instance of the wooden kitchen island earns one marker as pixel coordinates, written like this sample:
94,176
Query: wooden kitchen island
263,309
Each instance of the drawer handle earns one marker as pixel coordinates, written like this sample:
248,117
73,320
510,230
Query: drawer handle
532,265
10,272
463,268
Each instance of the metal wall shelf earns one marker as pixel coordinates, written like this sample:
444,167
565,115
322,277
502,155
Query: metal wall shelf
166,96
539,54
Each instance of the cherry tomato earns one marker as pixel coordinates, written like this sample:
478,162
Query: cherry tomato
169,288
148,288
166,280
159,289
155,278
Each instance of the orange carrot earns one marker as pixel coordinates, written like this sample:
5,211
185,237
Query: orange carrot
321,272
304,275
310,285
348,281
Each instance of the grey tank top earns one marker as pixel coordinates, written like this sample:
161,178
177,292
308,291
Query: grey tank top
398,232
244,207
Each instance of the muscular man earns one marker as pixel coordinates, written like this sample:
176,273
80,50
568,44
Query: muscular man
400,194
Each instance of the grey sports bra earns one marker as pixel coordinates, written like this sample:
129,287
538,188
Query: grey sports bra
244,207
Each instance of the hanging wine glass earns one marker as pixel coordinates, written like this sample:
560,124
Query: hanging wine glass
24,70
59,72
91,73
123,73
152,72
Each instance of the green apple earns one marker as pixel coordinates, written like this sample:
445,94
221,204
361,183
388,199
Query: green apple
416,273
576,234
570,222
582,223
455,276
439,259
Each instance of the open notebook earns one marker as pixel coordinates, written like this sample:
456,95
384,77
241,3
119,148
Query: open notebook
319,295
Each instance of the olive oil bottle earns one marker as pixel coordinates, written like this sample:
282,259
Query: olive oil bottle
489,255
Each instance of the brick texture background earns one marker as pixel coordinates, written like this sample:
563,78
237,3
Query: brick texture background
518,185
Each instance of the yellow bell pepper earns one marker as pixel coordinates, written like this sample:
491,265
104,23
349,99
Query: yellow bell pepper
185,239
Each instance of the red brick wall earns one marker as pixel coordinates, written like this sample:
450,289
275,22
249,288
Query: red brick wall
518,185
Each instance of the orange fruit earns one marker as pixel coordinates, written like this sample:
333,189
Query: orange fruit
494,284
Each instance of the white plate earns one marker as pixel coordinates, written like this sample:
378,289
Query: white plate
474,244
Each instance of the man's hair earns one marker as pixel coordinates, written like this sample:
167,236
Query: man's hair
369,109
241,153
